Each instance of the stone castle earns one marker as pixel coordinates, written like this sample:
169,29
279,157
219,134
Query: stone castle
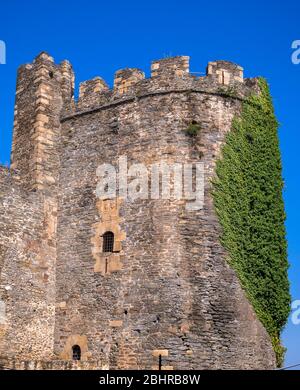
103,283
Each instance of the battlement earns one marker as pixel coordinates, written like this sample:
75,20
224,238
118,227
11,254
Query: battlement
92,86
225,72
92,92
167,74
46,72
170,67
170,73
126,78
45,97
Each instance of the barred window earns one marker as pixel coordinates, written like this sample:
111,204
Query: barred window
76,352
108,242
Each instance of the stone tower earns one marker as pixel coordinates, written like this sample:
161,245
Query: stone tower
119,284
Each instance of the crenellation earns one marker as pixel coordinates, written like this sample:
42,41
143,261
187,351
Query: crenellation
92,93
171,67
92,87
225,72
125,79
167,76
67,85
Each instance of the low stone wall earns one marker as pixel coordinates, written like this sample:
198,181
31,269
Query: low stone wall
12,364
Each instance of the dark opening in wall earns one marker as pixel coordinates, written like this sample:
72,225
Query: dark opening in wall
51,75
76,352
159,362
108,242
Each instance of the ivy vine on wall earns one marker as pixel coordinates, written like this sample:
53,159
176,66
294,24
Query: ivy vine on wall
249,203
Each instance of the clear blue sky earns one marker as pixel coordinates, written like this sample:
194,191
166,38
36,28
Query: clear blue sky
102,37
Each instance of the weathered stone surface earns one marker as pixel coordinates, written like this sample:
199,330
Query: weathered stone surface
166,286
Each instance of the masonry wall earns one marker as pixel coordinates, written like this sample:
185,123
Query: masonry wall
15,364
43,89
168,290
27,276
29,210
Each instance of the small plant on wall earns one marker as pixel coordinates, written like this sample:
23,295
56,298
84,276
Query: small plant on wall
193,129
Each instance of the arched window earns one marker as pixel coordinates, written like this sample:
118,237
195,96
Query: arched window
76,350
108,242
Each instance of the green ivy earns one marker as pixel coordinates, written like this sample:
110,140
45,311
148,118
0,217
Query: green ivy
248,200
193,129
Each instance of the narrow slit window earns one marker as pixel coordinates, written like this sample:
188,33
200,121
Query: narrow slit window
159,363
108,242
76,352
223,77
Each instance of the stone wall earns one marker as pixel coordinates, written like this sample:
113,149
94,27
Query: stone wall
42,90
166,291
27,274
13,364
172,292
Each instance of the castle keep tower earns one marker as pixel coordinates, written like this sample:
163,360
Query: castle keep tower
110,283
